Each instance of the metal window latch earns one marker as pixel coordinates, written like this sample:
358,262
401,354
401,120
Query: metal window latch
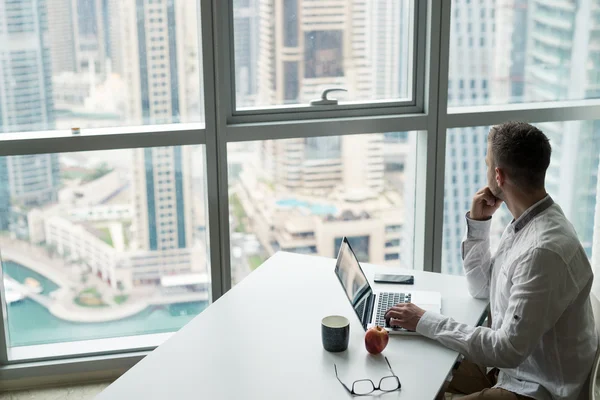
324,101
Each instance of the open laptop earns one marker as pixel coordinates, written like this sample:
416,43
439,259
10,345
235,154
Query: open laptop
370,305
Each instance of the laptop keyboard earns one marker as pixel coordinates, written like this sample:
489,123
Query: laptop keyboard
386,301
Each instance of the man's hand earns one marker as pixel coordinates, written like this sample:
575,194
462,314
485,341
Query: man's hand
484,204
404,315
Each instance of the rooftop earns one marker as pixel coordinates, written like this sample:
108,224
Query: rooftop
184,279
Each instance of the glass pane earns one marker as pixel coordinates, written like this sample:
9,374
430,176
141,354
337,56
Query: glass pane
388,383
571,180
363,387
103,244
516,51
304,195
289,51
99,63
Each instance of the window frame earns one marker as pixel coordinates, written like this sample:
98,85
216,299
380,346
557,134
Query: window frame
299,112
429,115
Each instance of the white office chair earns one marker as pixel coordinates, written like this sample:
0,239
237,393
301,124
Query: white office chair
594,375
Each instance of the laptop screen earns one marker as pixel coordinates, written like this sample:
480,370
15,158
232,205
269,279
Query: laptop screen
352,278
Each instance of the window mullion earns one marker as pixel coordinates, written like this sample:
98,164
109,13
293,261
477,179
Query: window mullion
442,118
430,146
218,106
212,175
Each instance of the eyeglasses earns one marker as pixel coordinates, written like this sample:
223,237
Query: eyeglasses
363,387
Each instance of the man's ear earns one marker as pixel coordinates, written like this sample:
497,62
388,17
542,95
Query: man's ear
500,176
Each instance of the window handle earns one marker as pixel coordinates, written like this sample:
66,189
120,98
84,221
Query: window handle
324,101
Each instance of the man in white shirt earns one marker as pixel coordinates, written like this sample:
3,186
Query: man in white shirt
542,339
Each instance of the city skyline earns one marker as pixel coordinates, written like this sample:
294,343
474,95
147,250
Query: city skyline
114,233
494,73
134,221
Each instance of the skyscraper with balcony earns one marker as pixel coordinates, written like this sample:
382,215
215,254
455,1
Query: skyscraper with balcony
549,53
563,60
26,101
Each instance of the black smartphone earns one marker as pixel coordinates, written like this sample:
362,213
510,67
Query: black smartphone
399,279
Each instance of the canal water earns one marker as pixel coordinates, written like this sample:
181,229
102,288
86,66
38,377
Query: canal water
30,323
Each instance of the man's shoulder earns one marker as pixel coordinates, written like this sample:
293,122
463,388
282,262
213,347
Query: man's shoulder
552,231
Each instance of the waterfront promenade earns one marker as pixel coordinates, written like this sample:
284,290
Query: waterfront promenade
60,302
36,259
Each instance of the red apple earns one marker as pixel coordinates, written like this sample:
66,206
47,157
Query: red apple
376,339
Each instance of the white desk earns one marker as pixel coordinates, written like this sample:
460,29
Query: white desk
262,340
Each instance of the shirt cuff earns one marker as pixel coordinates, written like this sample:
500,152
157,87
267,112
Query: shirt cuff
478,229
429,323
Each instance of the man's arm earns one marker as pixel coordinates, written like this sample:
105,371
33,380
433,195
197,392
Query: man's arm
477,258
476,254
542,290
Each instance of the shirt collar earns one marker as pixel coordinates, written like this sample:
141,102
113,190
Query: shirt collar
532,212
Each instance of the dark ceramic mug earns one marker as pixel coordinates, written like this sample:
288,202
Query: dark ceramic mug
335,333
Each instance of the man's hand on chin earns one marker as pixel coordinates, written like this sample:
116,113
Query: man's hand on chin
404,315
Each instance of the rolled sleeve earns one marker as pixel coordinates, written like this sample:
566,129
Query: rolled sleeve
478,230
429,324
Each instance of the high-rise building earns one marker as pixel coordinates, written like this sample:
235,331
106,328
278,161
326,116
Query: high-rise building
26,68
390,25
246,50
299,194
62,37
471,73
25,73
117,32
78,35
508,22
34,179
324,163
390,53
318,48
91,34
308,46
155,71
154,47
163,198
549,53
517,42
562,61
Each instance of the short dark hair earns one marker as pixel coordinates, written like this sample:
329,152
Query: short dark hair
523,151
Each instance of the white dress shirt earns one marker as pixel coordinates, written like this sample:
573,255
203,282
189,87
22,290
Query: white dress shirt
542,337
